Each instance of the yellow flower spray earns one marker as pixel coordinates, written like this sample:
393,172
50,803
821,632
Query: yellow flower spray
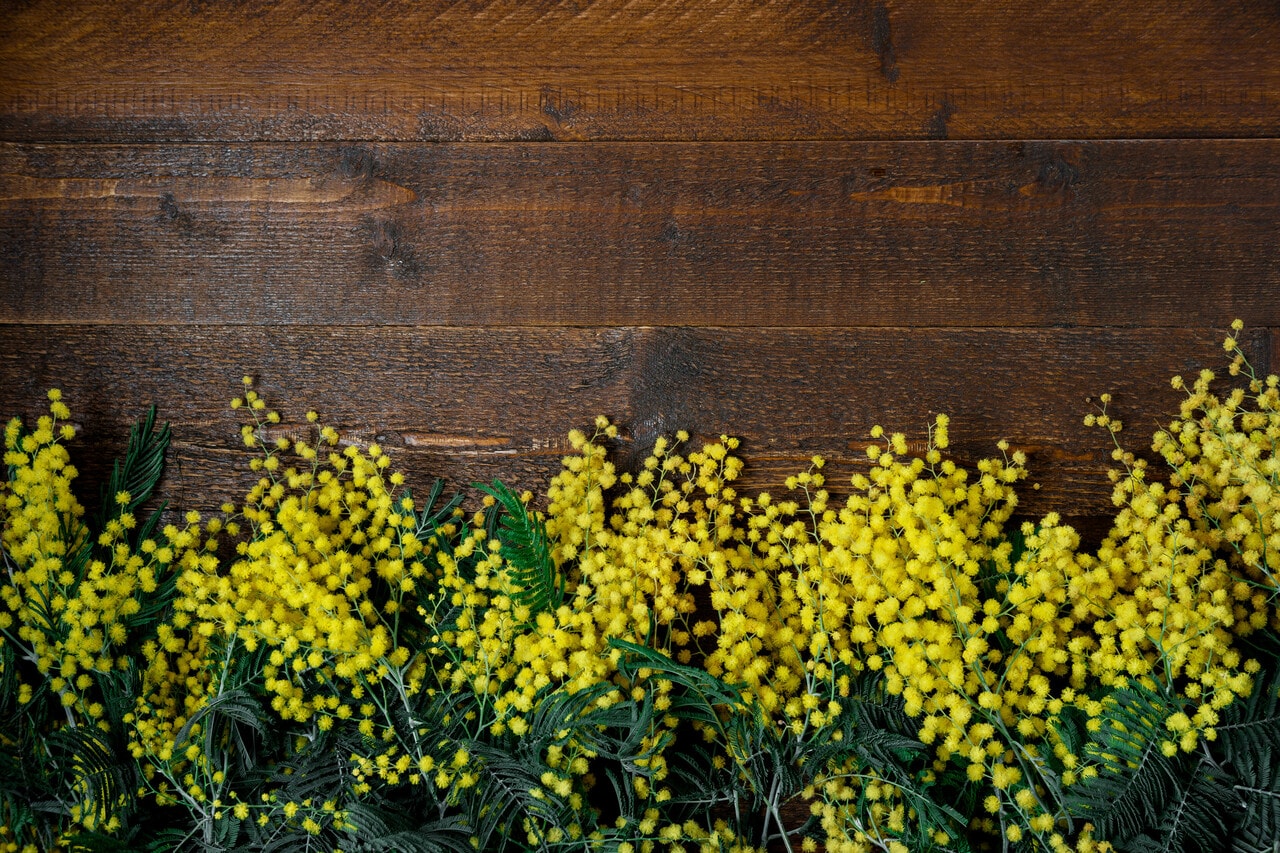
329,626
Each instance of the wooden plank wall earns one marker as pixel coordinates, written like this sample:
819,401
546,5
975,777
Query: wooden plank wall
464,227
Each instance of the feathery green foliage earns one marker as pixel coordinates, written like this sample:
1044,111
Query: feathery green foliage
1248,749
137,473
1223,796
1135,779
540,586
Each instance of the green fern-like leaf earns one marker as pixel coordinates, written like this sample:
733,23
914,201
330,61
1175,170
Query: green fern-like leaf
1257,784
388,831
507,798
1144,801
1249,744
540,587
8,681
229,707
702,694
434,513
1135,779
615,732
1251,724
95,777
164,841
878,734
1198,815
139,471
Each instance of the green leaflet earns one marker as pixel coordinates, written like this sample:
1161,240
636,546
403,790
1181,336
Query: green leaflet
94,772
1225,796
138,472
1249,746
530,566
384,830
1145,801
430,519
702,692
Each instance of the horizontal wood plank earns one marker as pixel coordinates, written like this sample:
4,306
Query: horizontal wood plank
1139,233
474,404
137,70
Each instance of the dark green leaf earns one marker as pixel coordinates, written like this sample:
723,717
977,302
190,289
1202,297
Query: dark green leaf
539,586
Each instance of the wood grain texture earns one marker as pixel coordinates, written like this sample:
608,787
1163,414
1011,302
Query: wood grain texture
151,70
475,404
1135,233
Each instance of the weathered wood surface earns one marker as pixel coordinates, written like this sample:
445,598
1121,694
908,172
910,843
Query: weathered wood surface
788,220
474,404
1120,233
150,70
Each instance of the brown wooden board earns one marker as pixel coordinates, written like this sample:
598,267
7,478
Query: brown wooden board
153,70
475,404
1137,233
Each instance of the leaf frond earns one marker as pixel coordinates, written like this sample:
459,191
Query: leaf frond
138,472
1249,745
525,548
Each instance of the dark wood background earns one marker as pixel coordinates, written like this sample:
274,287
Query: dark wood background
462,228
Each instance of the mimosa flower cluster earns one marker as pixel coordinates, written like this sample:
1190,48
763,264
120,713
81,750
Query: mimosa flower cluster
654,660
